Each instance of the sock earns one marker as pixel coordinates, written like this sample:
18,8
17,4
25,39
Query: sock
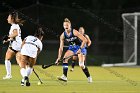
65,69
8,67
85,70
29,71
73,63
23,72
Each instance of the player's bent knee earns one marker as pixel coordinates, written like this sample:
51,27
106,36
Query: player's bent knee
81,64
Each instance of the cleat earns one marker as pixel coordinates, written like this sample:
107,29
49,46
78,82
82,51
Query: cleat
22,83
26,81
90,80
62,78
27,84
7,77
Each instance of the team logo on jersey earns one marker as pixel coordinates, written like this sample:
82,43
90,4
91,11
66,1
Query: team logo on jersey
71,39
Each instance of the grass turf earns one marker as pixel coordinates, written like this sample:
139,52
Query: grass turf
105,80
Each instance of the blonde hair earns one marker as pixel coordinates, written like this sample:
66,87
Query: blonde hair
67,20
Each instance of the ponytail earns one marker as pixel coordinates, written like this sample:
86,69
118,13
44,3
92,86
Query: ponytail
16,20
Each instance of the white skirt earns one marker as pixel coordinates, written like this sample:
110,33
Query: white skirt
29,50
16,45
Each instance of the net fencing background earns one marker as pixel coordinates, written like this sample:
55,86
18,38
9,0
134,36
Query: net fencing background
132,38
138,45
129,38
103,27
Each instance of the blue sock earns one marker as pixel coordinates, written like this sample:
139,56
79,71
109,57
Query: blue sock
65,69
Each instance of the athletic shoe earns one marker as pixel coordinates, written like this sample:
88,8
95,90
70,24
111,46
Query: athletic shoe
72,70
22,83
89,79
7,77
62,78
26,81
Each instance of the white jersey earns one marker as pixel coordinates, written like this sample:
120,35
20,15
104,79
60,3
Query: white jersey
17,41
31,46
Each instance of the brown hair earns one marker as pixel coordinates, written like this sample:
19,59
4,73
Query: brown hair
16,20
67,20
39,32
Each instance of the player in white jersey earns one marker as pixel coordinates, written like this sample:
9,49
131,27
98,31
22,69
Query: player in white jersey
15,40
31,47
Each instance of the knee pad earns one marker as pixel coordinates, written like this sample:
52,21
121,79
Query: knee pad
81,64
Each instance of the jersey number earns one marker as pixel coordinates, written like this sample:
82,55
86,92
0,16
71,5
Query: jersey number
34,40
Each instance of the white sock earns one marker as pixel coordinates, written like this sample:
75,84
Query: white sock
23,72
29,71
8,67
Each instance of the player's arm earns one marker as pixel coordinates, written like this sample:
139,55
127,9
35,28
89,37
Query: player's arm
10,37
15,33
38,51
81,37
88,40
60,51
61,45
40,47
23,42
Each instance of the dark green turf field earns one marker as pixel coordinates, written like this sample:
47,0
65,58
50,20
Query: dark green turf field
105,80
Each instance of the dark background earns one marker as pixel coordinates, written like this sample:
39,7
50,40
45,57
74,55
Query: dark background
101,19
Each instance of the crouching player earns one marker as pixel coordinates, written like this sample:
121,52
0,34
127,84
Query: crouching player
31,47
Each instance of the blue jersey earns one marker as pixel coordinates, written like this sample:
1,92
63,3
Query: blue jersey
72,39
74,43
84,50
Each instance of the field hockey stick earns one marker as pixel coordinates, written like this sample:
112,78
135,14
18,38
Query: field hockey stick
46,66
37,76
66,58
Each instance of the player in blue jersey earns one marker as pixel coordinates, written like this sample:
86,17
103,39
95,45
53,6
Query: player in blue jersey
76,43
84,50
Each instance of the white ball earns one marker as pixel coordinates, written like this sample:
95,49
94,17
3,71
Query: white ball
39,83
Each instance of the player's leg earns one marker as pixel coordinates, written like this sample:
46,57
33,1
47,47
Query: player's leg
29,68
86,71
74,58
18,57
84,68
65,66
24,60
9,55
